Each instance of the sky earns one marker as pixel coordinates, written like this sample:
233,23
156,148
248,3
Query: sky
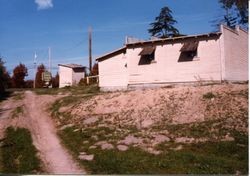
32,26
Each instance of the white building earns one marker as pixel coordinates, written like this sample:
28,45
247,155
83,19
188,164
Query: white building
220,56
70,74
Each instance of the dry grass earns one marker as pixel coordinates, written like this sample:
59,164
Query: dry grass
158,123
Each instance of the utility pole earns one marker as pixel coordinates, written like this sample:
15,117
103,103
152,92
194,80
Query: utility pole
34,82
49,60
90,49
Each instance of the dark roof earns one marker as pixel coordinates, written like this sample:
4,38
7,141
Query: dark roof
148,50
113,53
189,46
71,66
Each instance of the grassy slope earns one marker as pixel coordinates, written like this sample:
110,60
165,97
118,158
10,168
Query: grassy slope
211,157
201,158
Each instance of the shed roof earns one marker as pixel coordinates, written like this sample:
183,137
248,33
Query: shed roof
72,65
118,51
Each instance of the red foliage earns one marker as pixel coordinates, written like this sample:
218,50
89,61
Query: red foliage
19,73
94,70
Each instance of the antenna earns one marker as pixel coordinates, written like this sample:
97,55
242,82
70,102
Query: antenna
34,82
49,59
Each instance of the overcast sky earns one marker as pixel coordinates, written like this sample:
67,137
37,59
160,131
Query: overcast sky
29,26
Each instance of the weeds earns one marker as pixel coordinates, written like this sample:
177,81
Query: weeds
18,153
209,95
18,111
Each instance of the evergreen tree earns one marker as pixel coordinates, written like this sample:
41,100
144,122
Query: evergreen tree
164,25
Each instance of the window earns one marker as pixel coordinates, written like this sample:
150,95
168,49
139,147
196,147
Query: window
188,51
147,55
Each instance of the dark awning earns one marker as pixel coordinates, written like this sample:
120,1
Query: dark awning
189,46
147,50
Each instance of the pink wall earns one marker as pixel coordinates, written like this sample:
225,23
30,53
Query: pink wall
167,68
113,73
222,57
236,54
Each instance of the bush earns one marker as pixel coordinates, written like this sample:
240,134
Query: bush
208,95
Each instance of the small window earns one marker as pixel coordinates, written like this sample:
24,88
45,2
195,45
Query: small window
147,56
188,51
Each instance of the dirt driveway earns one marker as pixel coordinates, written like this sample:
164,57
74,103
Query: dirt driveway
56,160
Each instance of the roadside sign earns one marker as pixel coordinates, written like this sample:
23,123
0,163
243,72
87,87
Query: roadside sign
46,76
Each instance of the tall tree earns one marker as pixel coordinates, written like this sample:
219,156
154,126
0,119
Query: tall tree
39,83
163,26
236,12
4,76
19,73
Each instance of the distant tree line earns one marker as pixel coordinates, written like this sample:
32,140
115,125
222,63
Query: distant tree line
17,80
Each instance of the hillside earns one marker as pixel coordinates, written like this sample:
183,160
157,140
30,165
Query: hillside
159,121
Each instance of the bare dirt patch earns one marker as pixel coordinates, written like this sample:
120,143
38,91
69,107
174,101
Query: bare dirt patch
150,117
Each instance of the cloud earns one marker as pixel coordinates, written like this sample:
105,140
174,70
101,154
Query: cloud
44,4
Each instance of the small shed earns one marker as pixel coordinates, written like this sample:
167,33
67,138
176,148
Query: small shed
70,74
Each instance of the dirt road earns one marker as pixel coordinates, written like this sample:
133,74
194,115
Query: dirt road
56,159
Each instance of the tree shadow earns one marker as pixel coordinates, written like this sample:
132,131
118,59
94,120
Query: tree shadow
5,95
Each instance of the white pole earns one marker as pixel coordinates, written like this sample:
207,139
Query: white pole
49,60
34,82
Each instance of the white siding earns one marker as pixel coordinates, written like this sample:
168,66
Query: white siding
236,54
168,69
113,73
65,76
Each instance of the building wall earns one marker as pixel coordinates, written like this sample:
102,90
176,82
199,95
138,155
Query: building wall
65,76
113,73
236,54
77,75
207,66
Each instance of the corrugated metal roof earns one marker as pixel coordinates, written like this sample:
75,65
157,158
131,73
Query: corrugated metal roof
72,65
189,46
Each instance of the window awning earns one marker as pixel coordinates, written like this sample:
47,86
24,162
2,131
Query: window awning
190,46
147,50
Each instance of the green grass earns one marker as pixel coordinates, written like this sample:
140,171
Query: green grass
74,90
18,153
201,158
16,112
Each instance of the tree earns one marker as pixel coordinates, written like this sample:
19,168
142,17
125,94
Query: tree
39,82
19,73
236,12
4,77
164,25
94,70
55,81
